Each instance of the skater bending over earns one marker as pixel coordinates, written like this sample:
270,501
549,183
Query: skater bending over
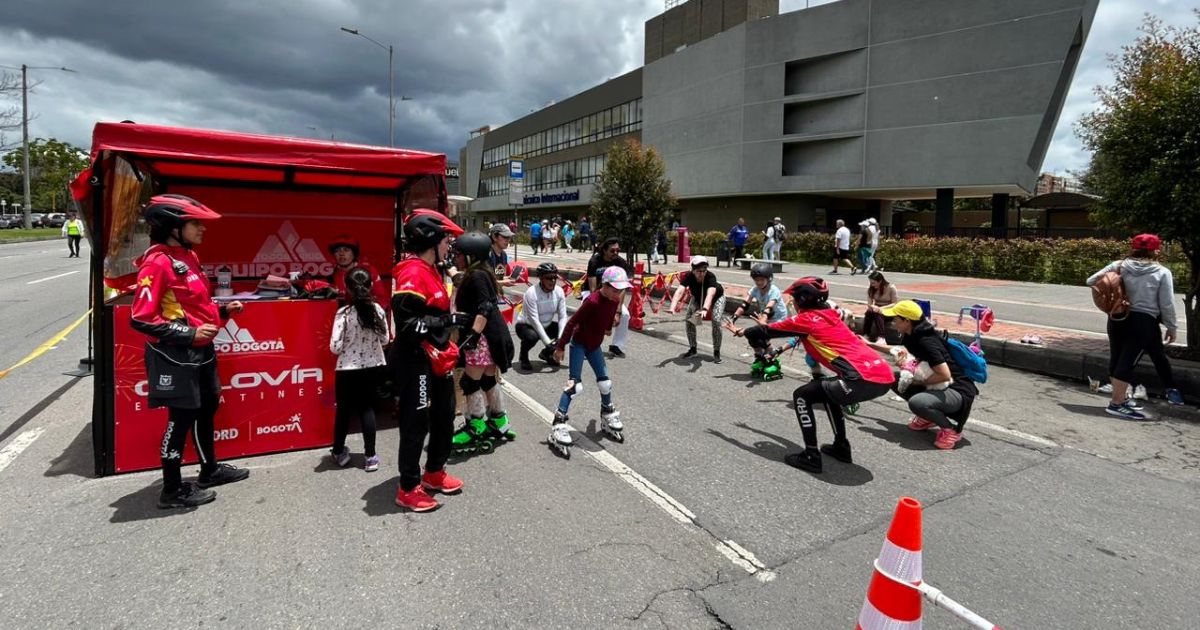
708,301
861,374
586,331
765,305
487,347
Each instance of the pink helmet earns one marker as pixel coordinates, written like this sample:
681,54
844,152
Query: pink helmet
615,276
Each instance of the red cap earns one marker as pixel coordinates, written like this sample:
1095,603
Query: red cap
1147,241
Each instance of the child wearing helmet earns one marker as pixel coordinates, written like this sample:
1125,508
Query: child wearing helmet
345,251
585,331
422,358
360,332
861,374
765,304
708,301
173,307
543,312
486,343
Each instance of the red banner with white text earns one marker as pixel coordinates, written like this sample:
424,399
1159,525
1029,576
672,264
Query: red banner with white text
277,390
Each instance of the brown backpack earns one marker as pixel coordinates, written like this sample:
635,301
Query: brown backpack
1108,294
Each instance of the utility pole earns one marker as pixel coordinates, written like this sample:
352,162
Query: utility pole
25,145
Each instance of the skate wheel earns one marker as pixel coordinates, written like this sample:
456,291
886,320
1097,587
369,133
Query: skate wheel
485,447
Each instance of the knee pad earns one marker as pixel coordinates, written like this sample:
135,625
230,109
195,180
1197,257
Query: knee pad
573,389
487,382
469,385
604,386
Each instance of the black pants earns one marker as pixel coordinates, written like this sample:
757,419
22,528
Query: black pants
874,325
1129,339
426,408
738,251
356,391
832,394
535,243
529,337
179,422
73,243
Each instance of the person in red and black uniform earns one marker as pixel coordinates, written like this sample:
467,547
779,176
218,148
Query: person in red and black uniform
422,358
861,373
345,252
173,307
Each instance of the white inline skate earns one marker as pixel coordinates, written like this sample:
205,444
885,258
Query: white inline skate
560,436
610,423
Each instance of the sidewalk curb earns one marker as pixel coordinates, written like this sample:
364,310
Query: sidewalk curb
29,239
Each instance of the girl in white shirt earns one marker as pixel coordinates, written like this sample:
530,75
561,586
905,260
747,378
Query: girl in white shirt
359,333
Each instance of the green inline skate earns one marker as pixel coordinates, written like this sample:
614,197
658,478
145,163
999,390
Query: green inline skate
772,371
498,428
471,438
756,368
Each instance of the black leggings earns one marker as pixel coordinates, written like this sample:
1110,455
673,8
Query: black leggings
73,243
832,394
529,336
426,408
179,422
356,391
1129,339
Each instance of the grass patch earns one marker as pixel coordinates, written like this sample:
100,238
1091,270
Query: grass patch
18,234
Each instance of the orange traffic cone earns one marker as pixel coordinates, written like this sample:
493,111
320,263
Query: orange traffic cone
890,604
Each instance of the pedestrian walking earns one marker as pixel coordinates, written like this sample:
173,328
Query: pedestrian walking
543,313
841,248
568,237
174,309
863,245
360,332
586,235
707,302
549,237
585,331
1150,290
535,236
609,255
422,359
769,243
72,230
861,375
873,230
738,235
779,236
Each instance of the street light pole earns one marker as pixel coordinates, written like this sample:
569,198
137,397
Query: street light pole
391,84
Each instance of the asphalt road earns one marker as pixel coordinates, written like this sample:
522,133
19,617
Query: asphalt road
1049,514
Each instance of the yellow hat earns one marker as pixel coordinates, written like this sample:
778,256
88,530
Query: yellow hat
907,309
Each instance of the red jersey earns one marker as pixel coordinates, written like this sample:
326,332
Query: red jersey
590,323
378,290
827,340
172,296
416,277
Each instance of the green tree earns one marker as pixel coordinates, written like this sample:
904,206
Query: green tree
632,199
52,165
1145,143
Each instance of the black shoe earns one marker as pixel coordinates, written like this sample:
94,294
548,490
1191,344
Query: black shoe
222,475
616,352
691,352
839,451
807,460
547,356
188,495
716,356
526,365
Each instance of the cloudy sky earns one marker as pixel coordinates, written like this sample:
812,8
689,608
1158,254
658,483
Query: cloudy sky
284,67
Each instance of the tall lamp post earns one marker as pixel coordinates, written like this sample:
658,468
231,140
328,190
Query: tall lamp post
391,85
27,209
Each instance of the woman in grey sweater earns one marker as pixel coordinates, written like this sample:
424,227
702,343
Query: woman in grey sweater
1150,288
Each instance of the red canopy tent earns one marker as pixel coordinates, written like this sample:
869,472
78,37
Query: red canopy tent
280,199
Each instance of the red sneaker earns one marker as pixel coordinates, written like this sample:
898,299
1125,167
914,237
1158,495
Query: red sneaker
415,500
920,424
947,438
441,481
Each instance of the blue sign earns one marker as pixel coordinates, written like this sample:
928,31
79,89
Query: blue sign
516,169
571,195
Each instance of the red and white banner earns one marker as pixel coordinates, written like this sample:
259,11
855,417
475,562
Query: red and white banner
277,389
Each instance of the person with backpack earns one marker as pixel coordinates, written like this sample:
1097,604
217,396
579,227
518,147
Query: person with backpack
1133,330
360,332
780,237
769,241
933,403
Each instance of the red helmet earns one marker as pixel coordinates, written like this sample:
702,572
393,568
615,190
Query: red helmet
344,240
172,211
425,228
808,292
1147,241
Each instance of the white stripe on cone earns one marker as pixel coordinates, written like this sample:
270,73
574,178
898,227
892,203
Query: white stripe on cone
900,562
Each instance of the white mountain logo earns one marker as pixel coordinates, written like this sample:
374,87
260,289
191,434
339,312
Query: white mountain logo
234,339
286,246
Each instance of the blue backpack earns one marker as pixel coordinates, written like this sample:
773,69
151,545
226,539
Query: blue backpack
973,365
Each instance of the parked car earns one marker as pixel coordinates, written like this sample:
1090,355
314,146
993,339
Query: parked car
15,221
54,220
6,223
36,219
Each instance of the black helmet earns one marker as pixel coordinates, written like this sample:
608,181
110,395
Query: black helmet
547,269
475,246
762,270
808,292
424,229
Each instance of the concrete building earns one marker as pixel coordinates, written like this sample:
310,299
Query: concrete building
813,115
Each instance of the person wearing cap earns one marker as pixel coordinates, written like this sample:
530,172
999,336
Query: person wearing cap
946,407
501,236
873,230
568,237
1150,290
778,237
345,251
585,332
608,255
769,241
708,301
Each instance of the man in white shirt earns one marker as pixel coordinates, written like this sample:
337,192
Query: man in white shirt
841,248
543,313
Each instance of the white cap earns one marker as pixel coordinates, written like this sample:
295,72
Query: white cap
699,260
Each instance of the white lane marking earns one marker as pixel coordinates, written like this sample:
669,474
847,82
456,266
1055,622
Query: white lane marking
22,442
736,554
61,275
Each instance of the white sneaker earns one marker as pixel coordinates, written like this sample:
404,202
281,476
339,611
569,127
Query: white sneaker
561,434
1139,392
1105,388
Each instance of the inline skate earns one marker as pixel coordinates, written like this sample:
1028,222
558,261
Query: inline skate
560,440
610,423
471,438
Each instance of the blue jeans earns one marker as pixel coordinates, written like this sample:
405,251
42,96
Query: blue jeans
595,358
